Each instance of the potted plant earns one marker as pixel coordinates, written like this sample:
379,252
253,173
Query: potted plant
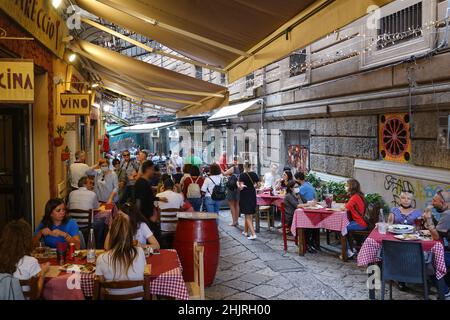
65,154
375,202
59,140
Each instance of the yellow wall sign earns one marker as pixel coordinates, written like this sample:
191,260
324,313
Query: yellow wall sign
16,81
75,104
40,19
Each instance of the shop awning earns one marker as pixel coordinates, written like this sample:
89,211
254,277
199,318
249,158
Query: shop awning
234,110
136,79
237,36
147,127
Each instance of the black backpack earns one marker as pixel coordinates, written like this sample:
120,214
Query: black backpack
219,191
232,182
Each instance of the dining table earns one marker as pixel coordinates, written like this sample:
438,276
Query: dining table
333,219
164,277
267,199
369,253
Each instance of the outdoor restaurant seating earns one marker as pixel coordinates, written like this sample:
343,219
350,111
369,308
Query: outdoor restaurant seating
83,218
400,261
264,213
197,287
101,288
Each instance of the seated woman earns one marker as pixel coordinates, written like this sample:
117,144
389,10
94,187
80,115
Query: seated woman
122,261
405,214
292,203
139,227
285,179
15,254
56,226
356,206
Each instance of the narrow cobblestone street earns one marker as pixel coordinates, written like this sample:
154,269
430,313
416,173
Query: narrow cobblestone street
259,269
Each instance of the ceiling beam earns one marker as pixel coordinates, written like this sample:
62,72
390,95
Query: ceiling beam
173,29
147,48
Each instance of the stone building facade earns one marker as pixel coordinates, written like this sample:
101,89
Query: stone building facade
337,90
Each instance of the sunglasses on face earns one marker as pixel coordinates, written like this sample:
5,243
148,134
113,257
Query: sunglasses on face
126,155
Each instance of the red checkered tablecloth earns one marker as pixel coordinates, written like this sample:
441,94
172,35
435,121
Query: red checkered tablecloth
320,219
370,248
166,279
265,199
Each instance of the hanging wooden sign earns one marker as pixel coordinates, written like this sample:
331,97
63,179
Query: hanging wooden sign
16,81
75,104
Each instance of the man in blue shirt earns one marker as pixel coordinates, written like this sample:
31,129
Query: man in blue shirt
306,190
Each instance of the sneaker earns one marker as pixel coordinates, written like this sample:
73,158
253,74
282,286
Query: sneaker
447,296
245,233
233,224
253,237
350,255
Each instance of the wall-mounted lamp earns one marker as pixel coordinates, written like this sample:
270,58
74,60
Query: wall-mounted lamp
72,57
56,3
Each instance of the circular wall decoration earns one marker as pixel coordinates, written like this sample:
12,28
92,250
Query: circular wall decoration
394,137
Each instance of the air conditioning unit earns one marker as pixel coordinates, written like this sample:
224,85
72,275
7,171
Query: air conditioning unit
444,132
155,134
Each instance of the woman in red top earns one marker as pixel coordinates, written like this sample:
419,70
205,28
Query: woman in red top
356,206
193,195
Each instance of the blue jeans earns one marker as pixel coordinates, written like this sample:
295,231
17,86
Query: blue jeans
212,205
196,203
447,258
354,226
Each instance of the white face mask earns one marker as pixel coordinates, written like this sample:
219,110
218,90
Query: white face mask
104,169
346,189
296,190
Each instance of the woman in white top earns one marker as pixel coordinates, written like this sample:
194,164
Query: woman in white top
139,228
123,261
215,178
15,254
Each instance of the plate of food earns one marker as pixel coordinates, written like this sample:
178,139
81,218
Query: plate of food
400,228
83,268
407,237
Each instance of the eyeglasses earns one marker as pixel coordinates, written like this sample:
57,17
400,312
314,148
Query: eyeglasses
126,155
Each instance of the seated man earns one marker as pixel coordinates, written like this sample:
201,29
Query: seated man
174,201
85,199
441,231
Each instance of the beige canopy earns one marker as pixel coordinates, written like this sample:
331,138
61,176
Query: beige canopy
139,80
239,36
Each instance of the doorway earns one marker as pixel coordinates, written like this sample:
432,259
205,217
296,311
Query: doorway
15,171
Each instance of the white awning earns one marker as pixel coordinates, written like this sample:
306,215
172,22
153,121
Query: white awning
233,111
147,127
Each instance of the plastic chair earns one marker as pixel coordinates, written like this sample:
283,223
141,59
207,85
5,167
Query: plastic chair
403,262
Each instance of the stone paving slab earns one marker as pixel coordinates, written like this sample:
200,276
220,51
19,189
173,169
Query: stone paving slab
260,269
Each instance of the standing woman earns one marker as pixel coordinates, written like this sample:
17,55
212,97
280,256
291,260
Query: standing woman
233,191
106,184
214,179
248,181
56,226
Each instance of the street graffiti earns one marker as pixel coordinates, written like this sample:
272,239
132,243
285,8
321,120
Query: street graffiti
396,186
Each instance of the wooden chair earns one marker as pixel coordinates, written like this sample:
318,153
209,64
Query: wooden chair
102,287
197,288
285,228
267,210
84,219
373,219
169,216
32,283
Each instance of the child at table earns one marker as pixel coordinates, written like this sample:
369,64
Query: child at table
122,261
15,255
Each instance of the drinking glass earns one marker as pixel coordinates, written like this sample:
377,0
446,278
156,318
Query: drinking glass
61,251
382,227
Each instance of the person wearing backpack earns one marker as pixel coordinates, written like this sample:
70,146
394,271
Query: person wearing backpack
214,189
356,207
248,182
233,190
192,188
